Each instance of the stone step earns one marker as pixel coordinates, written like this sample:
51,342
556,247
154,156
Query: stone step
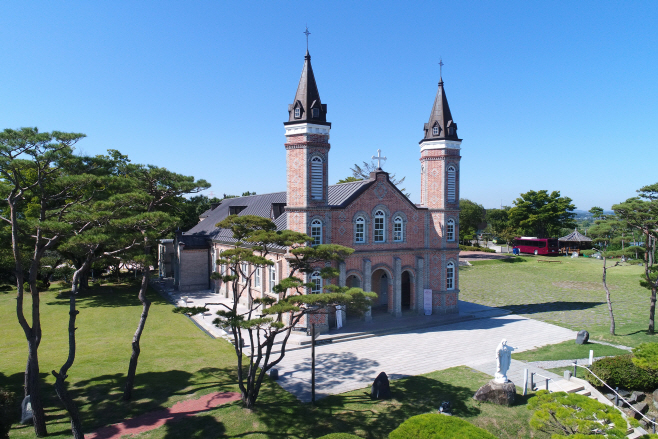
584,392
564,386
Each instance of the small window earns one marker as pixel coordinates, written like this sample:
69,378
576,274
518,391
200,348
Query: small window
452,184
450,230
317,178
316,232
360,230
450,276
316,113
316,280
435,130
245,272
380,226
257,277
298,113
272,277
398,229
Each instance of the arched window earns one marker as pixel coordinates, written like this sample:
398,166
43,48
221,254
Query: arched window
380,227
360,230
398,229
316,280
450,230
316,232
316,178
435,130
452,184
298,113
450,276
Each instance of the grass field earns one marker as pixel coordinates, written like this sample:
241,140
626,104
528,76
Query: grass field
179,361
568,293
568,350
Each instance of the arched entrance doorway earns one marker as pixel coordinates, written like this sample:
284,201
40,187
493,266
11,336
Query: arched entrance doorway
406,290
353,281
380,285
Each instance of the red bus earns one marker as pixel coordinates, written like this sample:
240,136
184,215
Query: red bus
537,246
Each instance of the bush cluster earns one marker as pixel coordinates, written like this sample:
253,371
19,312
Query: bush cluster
476,249
436,425
620,371
8,412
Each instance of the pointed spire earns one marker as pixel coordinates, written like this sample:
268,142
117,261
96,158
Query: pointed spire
307,98
441,125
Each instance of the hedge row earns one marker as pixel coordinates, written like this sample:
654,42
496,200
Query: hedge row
620,371
469,248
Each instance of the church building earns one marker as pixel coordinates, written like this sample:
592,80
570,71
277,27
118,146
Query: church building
403,251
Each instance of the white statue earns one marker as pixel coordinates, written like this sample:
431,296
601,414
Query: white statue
503,360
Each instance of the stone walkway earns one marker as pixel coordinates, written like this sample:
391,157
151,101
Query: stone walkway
342,367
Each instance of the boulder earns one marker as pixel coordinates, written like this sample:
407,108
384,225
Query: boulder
637,396
641,407
381,388
497,393
582,337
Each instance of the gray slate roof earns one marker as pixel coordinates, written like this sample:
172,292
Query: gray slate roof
440,116
307,97
261,205
575,236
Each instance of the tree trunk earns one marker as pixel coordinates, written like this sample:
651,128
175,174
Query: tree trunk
607,298
134,357
34,389
60,378
84,281
652,305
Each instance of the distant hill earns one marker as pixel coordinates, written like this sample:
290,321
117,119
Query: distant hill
583,214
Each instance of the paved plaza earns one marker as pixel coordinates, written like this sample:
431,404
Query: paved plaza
342,367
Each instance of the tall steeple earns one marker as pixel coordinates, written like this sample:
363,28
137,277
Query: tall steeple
439,158
307,150
307,106
440,126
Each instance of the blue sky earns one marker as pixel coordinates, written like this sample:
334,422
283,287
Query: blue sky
547,95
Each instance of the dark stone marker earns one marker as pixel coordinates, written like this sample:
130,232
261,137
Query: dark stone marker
381,388
497,393
26,411
582,337
641,407
274,374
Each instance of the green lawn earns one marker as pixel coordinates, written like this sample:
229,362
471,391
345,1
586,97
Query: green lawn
179,361
568,293
568,350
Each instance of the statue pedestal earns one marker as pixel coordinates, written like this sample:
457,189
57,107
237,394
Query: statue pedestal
497,393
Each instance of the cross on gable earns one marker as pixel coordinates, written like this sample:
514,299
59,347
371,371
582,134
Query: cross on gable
379,158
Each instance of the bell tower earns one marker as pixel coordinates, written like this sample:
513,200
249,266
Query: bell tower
307,150
439,157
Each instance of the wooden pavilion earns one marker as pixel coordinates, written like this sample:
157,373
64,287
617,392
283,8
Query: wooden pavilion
574,242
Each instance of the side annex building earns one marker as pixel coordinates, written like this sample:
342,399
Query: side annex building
401,249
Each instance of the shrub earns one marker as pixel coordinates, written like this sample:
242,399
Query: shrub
8,412
476,249
621,371
560,412
646,356
436,425
339,436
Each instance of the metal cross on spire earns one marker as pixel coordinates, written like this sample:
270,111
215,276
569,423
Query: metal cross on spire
441,67
379,158
307,33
